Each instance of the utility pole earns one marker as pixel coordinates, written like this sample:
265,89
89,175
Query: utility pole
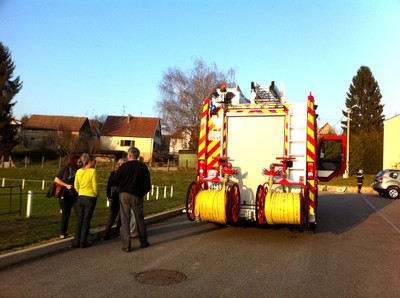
346,173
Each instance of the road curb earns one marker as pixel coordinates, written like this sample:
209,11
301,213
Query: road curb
48,248
347,189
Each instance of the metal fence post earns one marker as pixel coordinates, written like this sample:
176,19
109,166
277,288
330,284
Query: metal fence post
29,204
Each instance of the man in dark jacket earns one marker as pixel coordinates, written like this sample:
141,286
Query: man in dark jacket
360,180
133,181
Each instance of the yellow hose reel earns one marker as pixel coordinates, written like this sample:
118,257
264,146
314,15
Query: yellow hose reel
283,208
211,205
280,207
218,206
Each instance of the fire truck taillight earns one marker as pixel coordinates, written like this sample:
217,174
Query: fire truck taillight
201,168
310,170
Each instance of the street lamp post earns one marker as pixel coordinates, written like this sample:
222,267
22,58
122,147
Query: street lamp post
346,173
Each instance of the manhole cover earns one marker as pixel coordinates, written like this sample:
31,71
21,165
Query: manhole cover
160,277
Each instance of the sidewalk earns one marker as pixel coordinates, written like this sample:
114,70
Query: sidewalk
48,248
348,189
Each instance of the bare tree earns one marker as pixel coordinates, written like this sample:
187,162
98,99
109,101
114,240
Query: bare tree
96,124
70,142
101,119
182,95
67,143
25,118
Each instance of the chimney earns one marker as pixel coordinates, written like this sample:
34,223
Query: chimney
129,117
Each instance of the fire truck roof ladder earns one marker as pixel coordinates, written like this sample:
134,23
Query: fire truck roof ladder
297,139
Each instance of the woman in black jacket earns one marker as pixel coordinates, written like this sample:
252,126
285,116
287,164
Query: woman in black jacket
66,177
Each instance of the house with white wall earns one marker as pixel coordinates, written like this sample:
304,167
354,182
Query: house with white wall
121,132
180,140
391,148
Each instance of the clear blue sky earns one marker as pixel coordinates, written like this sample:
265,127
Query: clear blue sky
96,57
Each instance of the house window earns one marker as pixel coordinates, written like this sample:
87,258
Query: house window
127,143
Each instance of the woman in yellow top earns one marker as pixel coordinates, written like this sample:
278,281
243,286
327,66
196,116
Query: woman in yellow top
86,186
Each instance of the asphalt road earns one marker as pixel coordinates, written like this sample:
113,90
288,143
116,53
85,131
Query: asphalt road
354,253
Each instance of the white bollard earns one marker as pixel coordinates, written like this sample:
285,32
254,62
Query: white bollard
157,192
165,192
4,182
29,204
43,185
23,183
148,196
152,189
172,190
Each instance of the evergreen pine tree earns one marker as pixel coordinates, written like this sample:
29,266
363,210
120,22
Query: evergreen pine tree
366,122
363,100
8,89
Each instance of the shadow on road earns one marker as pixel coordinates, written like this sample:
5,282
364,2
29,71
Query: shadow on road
177,228
338,213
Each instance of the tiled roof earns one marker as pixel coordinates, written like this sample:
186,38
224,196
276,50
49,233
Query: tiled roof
326,130
129,126
180,132
65,123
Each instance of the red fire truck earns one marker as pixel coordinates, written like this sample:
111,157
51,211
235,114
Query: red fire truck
260,159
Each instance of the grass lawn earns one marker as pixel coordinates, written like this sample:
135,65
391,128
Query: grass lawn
17,231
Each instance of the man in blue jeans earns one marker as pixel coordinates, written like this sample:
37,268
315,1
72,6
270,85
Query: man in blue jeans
133,181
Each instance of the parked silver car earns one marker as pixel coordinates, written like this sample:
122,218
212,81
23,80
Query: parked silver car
387,183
